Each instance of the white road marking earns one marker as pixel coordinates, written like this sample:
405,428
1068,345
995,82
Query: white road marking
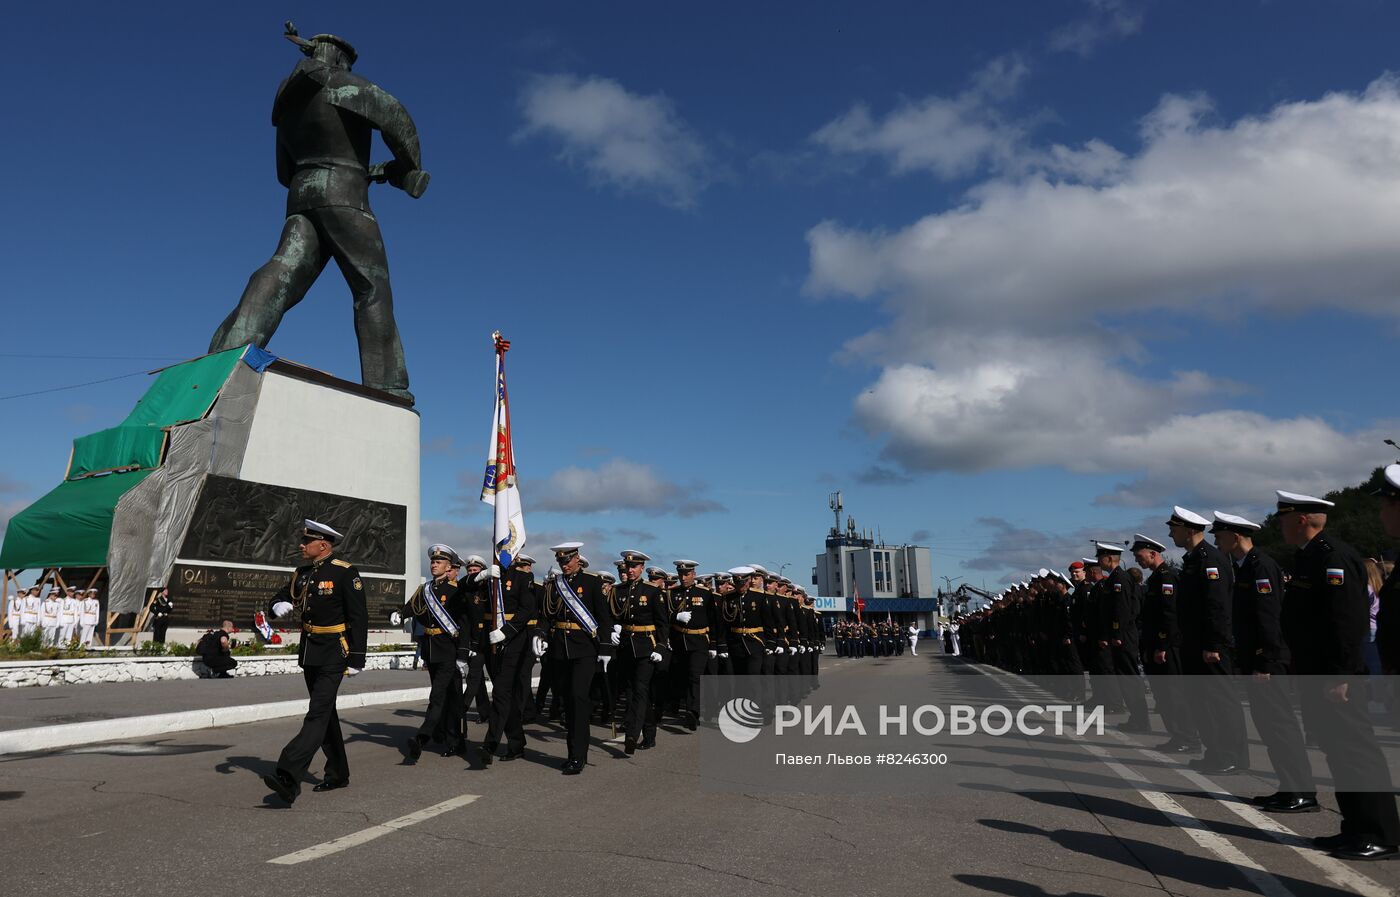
1337,872
375,831
1179,816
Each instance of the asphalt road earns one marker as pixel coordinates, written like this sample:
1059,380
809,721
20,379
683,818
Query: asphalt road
188,814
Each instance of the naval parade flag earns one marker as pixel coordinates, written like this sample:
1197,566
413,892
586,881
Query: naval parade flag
500,489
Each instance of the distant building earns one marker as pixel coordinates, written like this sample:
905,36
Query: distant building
889,578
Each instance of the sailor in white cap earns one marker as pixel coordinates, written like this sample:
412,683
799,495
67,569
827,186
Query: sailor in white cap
1205,601
743,617
31,609
1326,614
693,638
14,614
1262,659
577,630
1118,634
439,610
87,619
512,615
643,645
48,615
328,596
1162,641
69,610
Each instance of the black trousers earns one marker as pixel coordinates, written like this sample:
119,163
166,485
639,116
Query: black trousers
309,240
443,719
1105,684
1220,714
1271,708
1130,684
1172,701
1365,795
218,663
158,629
742,663
572,678
474,690
637,675
320,728
509,665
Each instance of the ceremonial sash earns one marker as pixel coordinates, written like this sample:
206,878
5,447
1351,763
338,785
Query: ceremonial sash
440,614
575,605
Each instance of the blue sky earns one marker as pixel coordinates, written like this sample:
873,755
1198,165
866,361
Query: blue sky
1008,275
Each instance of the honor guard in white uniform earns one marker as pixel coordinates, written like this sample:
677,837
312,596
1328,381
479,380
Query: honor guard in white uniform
48,616
69,609
87,619
14,614
31,610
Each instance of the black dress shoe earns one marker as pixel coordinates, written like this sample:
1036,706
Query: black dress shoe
330,785
1365,850
453,750
1223,769
1291,804
629,746
486,755
648,743
692,720
414,747
1332,842
1187,748
1270,798
513,755
283,786
573,768
1168,747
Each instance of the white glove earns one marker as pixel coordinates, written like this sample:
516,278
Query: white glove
713,653
792,649
605,660
351,671
497,636
615,638
470,653
495,571
539,645
683,617
767,650
655,657
482,576
281,608
462,667
724,655
395,618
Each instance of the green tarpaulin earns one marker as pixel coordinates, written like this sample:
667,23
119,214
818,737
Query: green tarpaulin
71,526
180,394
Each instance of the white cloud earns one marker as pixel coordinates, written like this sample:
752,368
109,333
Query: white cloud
949,136
997,354
1107,20
618,485
626,140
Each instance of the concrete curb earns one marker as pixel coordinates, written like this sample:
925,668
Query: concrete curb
48,738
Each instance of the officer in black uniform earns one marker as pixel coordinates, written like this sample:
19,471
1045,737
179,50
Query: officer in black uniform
694,651
1326,619
1118,613
638,607
1163,639
576,639
329,598
474,587
1205,610
509,657
439,609
1262,659
742,612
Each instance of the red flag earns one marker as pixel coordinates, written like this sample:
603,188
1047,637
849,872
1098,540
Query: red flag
859,603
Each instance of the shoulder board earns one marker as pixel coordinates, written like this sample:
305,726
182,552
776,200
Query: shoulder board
594,575
341,563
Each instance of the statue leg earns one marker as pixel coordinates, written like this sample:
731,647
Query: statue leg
275,287
358,249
